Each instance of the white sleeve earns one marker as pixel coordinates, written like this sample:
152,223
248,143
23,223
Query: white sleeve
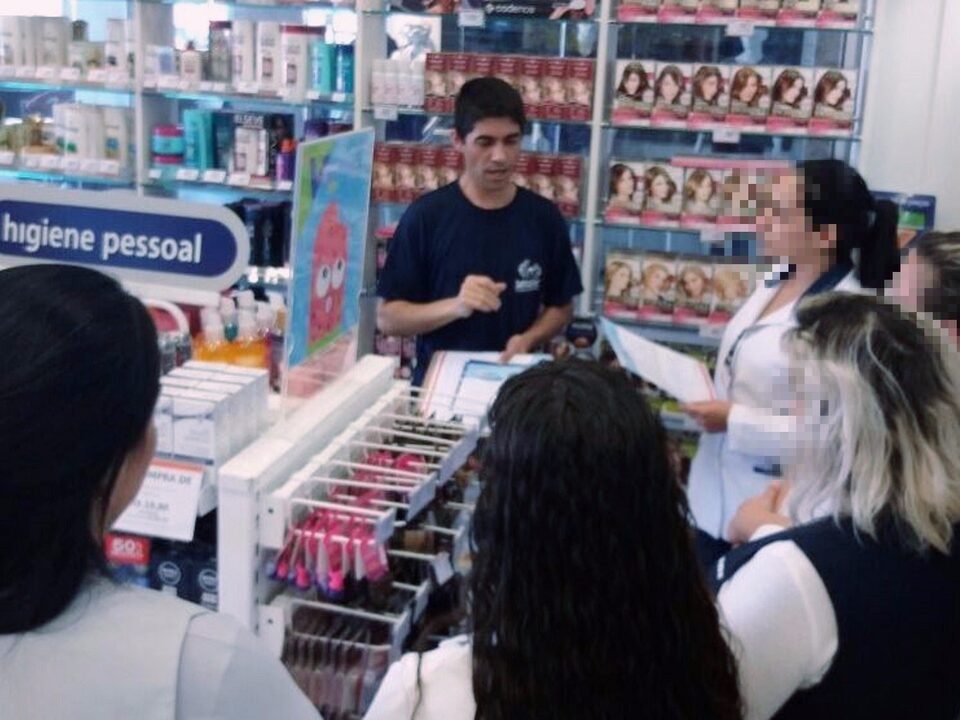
755,431
395,698
226,673
782,627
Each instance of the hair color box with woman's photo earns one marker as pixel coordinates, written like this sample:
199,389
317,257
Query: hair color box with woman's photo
759,12
633,92
671,94
711,95
798,13
662,195
658,293
625,193
791,99
621,285
678,11
732,285
638,11
749,96
702,194
838,14
833,100
714,11
694,291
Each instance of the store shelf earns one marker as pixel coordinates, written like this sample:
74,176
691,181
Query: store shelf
489,18
49,79
275,4
54,176
708,235
707,336
221,91
392,112
740,27
730,135
173,179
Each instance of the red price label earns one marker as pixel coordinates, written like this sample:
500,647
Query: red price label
126,549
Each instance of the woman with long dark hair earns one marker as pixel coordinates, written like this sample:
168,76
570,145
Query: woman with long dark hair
586,600
78,385
822,229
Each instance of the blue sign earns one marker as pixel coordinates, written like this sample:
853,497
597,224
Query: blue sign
151,240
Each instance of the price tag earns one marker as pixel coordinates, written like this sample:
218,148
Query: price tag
117,78
96,75
442,568
166,505
239,179
89,167
726,135
186,86
47,72
338,97
70,74
712,236
471,18
50,162
215,176
7,157
206,86
149,81
292,95
7,71
26,72
188,174
220,88
385,112
71,165
739,28
248,87
110,167
168,82
31,162
155,173
284,185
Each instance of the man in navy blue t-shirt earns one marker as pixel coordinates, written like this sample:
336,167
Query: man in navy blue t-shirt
480,264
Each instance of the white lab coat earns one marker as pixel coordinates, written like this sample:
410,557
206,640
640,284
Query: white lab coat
735,465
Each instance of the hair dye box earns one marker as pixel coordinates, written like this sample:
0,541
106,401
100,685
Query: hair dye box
435,82
458,72
531,88
384,159
405,172
580,74
567,181
553,89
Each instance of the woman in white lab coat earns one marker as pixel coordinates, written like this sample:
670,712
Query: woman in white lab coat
826,232
78,385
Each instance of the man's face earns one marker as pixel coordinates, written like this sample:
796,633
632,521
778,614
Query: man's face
490,153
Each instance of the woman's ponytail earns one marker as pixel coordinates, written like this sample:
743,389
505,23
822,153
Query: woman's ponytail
835,194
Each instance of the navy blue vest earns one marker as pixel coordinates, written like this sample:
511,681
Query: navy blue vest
898,623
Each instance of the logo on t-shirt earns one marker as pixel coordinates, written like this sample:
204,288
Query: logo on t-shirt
528,277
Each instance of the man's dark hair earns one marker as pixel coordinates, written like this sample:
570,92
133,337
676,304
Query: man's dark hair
483,98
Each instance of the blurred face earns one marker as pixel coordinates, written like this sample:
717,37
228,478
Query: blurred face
660,188
782,226
791,94
490,153
710,87
669,89
656,278
692,284
834,96
911,281
626,185
632,83
704,190
749,91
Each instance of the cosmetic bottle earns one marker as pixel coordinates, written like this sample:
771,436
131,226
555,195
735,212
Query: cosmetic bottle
228,315
249,350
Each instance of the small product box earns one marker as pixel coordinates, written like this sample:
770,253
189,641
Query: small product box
452,164
54,38
702,195
544,170
435,81
384,159
711,95
798,13
405,172
429,163
241,427
621,285
268,61
458,72
256,381
257,141
531,76
791,99
568,181
507,68
638,11
658,293
694,291
838,14
663,195
633,92
482,65
749,96
717,11
579,80
833,101
672,94
198,420
625,192
524,170
554,90
163,421
759,12
678,11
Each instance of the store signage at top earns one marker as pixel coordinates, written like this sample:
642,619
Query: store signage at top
147,240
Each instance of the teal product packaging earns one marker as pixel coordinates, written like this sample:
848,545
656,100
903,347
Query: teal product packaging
345,69
323,61
198,135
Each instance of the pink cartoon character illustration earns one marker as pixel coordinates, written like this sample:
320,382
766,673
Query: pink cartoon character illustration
329,269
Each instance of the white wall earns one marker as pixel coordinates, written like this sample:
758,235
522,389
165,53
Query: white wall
911,136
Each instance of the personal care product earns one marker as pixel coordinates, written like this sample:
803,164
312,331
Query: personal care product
791,99
191,65
672,94
834,97
798,13
250,350
29,27
198,138
244,50
268,56
713,11
171,571
118,135
759,11
200,426
295,51
405,172
579,82
286,160
710,87
458,72
220,38
11,42
681,11
257,141
663,194
128,557
344,69
531,74
383,186
634,11
435,70
54,37
167,142
323,62
390,88
568,180
115,49
507,68
84,55
554,88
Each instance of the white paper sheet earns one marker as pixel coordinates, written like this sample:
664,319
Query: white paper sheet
677,374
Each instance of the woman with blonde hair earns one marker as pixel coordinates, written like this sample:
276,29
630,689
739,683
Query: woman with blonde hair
853,611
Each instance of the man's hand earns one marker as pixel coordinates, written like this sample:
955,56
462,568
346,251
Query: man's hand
711,415
479,293
758,511
517,345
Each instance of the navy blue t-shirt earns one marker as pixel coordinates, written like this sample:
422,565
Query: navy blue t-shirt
443,237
